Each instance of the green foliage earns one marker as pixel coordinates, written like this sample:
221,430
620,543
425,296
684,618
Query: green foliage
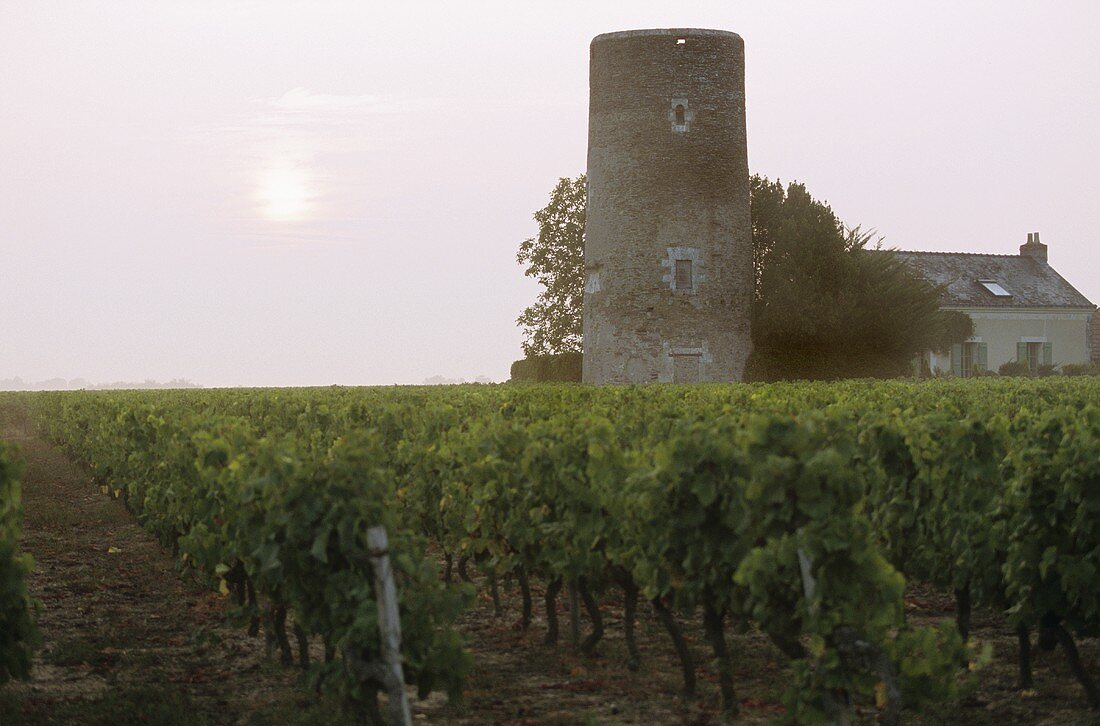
559,368
815,572
797,507
927,658
939,481
1080,369
955,326
17,630
1015,368
826,306
556,260
289,508
1046,369
1050,518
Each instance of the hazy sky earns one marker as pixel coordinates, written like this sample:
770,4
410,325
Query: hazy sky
263,193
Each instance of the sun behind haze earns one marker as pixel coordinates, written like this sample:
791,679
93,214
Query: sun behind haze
285,193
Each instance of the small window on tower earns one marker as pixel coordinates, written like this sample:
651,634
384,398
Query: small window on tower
687,368
679,115
683,275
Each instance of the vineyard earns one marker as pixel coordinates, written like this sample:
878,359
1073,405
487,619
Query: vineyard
796,511
17,632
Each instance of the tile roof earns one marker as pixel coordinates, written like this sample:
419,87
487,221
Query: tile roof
1031,282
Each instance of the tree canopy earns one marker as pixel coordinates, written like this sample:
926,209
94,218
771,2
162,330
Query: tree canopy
828,302
555,258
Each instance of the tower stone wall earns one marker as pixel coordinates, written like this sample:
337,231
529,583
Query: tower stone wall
668,239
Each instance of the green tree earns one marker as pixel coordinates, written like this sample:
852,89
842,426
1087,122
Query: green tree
555,258
827,303
830,304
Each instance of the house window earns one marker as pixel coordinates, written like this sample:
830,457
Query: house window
1035,354
684,280
967,362
968,359
680,120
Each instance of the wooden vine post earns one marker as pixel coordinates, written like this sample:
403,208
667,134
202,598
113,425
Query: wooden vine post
389,623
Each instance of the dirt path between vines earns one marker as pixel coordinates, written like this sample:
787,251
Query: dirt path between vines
127,640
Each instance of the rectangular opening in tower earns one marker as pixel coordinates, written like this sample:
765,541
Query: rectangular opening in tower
684,279
687,368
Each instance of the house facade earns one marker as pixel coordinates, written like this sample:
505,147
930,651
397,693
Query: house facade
1022,309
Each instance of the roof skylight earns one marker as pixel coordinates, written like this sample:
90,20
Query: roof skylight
995,287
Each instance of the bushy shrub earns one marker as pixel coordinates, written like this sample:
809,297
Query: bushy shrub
1080,369
1014,368
560,368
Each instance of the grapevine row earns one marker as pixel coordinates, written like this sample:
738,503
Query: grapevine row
795,507
17,630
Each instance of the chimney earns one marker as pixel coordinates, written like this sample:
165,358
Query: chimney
1034,249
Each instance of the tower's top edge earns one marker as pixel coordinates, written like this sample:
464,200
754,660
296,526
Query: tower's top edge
672,32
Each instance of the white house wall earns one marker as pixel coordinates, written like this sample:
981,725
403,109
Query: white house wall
1001,330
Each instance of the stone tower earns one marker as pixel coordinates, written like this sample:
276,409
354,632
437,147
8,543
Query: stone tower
668,240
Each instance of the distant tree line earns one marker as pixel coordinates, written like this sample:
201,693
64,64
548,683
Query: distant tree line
77,384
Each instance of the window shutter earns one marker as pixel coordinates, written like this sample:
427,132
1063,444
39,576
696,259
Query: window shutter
957,359
1048,354
1021,352
983,357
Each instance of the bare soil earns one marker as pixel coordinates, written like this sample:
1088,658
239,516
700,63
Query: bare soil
128,640
125,638
517,680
